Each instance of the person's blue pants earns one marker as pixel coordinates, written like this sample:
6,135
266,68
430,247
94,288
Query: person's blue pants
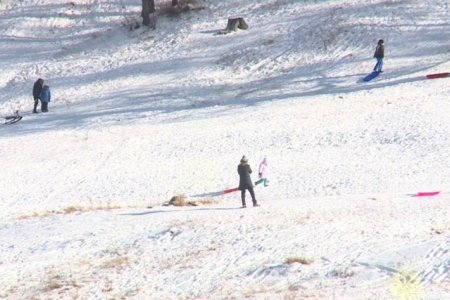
262,180
378,65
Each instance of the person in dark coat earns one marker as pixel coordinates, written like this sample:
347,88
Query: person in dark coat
245,181
37,88
45,97
379,55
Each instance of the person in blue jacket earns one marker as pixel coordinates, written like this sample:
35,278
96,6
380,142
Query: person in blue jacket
45,97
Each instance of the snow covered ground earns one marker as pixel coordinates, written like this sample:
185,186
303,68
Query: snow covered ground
138,116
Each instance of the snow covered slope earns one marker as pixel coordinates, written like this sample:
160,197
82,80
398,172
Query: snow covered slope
138,116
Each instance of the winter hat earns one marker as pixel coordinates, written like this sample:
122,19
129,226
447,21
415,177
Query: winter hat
244,159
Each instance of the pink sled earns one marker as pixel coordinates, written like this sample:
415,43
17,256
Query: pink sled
426,194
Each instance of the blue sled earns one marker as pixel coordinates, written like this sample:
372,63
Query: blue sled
371,76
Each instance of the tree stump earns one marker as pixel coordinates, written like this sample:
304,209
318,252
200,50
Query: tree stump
235,23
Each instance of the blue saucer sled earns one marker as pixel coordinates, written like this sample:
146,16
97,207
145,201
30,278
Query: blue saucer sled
371,76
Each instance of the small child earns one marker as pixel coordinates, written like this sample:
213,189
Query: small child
45,97
262,172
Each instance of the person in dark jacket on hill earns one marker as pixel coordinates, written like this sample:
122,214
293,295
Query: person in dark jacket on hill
245,181
45,97
37,88
379,55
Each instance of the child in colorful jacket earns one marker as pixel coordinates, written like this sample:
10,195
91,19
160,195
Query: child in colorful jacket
262,172
45,97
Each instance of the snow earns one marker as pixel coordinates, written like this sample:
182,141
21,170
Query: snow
138,116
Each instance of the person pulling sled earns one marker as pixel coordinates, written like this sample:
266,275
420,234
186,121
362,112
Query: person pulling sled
37,88
379,55
245,181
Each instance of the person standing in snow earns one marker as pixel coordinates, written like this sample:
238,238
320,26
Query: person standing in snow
379,55
245,181
37,88
262,172
45,97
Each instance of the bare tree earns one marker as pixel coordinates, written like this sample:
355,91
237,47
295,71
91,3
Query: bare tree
148,13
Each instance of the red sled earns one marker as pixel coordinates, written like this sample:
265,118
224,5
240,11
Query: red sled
438,75
426,194
230,190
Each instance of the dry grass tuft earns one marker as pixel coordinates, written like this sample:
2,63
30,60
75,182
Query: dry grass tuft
8,292
117,263
180,200
53,285
207,201
299,259
58,282
169,10
72,209
68,210
26,217
108,286
341,272
166,8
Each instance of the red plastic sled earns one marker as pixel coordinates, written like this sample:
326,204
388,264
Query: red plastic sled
425,194
231,190
438,75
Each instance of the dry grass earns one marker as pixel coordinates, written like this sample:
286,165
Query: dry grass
53,285
299,259
72,209
26,217
180,200
58,282
342,272
207,201
68,210
166,8
108,287
169,10
8,292
117,263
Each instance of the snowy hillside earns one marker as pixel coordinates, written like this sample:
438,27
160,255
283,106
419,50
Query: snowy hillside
138,116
